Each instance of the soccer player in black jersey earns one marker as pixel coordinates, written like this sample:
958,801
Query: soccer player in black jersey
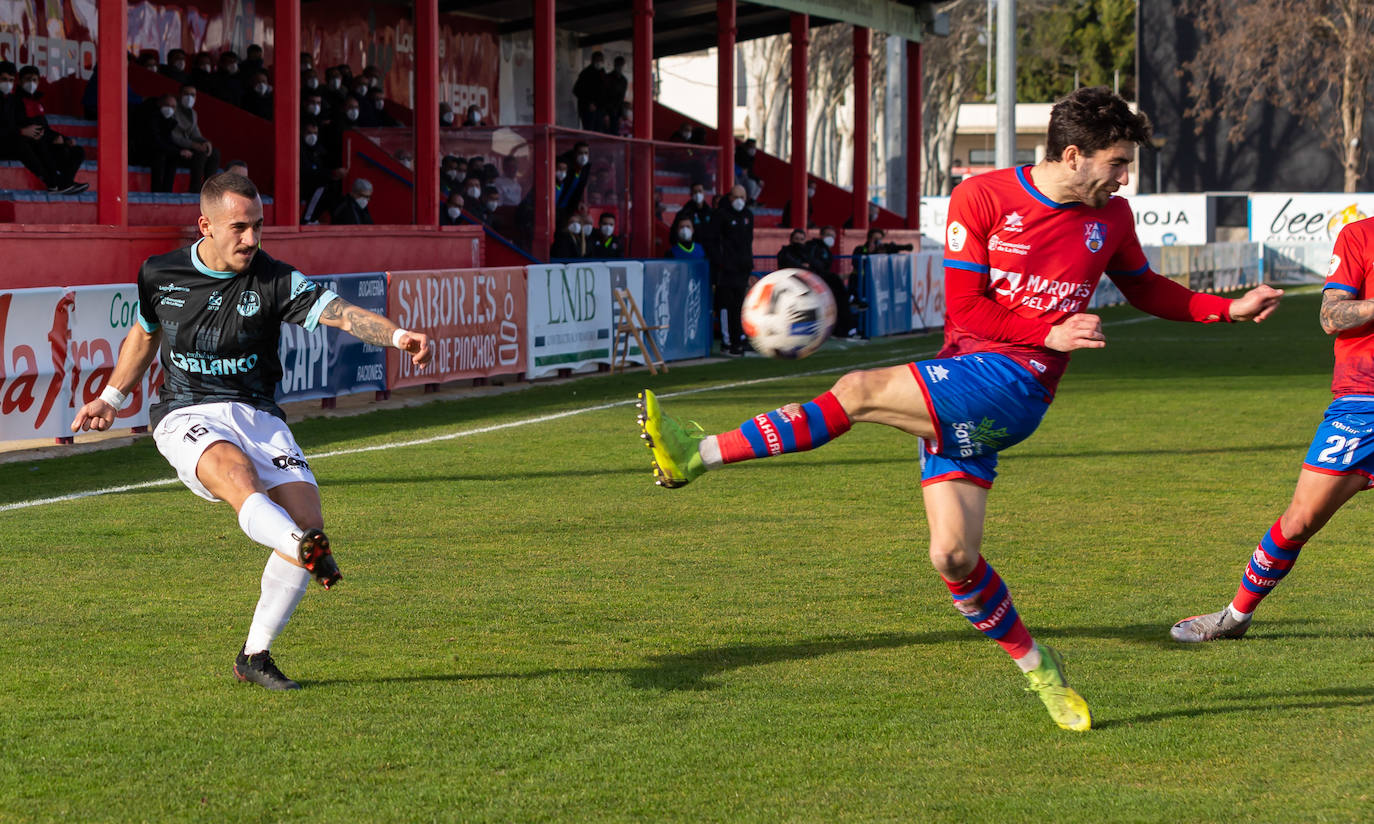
213,312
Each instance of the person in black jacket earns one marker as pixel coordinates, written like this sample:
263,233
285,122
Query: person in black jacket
735,237
605,244
158,119
821,251
570,243
26,136
352,210
590,91
614,86
257,98
795,255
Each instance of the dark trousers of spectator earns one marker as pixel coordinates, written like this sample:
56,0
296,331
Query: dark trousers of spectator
592,119
844,313
321,195
55,165
730,294
201,165
164,170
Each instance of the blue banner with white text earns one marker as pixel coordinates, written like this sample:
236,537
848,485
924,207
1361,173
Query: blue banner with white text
677,295
886,286
327,363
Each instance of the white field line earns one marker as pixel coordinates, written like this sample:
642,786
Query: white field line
467,433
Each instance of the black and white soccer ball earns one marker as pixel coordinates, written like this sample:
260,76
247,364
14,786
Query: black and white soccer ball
788,314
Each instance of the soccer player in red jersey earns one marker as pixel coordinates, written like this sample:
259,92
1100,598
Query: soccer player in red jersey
1024,250
1340,460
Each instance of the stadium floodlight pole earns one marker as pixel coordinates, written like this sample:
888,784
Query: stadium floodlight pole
1006,84
112,92
286,112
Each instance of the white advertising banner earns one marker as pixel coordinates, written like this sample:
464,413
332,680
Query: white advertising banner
928,291
569,317
1171,220
934,213
1292,219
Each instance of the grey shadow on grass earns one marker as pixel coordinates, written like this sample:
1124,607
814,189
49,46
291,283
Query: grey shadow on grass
1253,702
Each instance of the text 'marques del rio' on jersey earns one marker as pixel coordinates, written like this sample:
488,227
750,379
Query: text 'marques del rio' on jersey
1017,262
220,330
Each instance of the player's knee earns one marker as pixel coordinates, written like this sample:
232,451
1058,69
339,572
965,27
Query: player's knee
952,561
1300,523
854,390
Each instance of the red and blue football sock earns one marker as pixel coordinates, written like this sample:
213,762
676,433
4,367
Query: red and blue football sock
1273,559
983,599
792,428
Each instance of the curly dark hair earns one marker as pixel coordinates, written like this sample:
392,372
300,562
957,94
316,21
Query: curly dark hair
1092,119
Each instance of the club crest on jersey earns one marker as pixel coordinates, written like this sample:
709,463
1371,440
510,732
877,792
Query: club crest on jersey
249,304
216,300
1094,235
1333,266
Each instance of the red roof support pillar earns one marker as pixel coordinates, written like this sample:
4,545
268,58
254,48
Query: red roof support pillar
801,47
112,90
862,62
426,112
286,114
914,143
642,213
725,92
543,118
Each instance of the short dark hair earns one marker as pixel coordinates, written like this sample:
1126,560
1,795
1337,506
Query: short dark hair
871,232
606,215
29,71
225,183
6,67
1093,119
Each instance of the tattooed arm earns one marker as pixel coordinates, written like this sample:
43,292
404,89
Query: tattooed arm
1340,311
370,327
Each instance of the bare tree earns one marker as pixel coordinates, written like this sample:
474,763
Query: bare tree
768,68
950,66
1311,58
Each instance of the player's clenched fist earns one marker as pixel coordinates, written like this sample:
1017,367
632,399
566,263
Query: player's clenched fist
98,415
1076,332
1256,304
417,344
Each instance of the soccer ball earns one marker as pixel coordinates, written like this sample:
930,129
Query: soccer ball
788,314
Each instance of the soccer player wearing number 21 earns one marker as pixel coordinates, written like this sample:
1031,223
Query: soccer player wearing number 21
213,312
1340,460
1024,250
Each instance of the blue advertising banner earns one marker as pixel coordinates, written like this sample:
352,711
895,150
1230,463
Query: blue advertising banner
677,293
327,363
887,286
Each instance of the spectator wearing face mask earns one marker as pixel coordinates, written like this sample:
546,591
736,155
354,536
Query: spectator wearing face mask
147,59
744,169
821,251
252,60
735,232
26,136
473,118
448,119
452,212
204,157
352,115
310,82
203,71
450,178
312,109
489,210
333,89
605,244
352,210
257,100
177,67
684,245
590,91
810,209
228,80
376,106
570,243
579,159
316,178
154,145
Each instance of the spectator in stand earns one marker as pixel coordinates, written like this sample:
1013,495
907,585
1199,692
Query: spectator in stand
177,66
875,243
204,157
252,60
333,89
590,91
744,169
373,75
872,217
488,211
579,160
450,176
614,87
606,244
810,209
684,134
684,247
405,158
795,255
320,182
312,108
452,214
736,239
352,210
569,244
352,118
448,119
26,136
562,190
148,60
376,104
507,183
237,167
257,100
307,62
473,118
228,83
203,76
155,144
822,254
626,127
310,82
697,210
472,191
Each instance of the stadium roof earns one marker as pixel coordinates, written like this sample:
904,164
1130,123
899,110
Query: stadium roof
682,26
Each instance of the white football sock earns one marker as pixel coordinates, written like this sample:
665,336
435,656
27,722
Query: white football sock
709,450
1030,660
262,520
1237,614
283,585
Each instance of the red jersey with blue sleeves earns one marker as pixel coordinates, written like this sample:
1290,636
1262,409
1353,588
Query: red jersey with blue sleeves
1352,270
1017,263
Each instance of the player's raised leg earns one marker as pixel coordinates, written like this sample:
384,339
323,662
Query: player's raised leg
1316,498
888,396
956,510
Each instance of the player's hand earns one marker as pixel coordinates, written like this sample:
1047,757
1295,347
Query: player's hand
1078,331
32,131
419,347
1256,304
97,415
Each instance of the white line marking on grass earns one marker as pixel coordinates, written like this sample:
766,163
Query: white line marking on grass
465,433
482,430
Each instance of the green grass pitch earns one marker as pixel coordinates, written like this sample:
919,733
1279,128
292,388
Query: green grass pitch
529,630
